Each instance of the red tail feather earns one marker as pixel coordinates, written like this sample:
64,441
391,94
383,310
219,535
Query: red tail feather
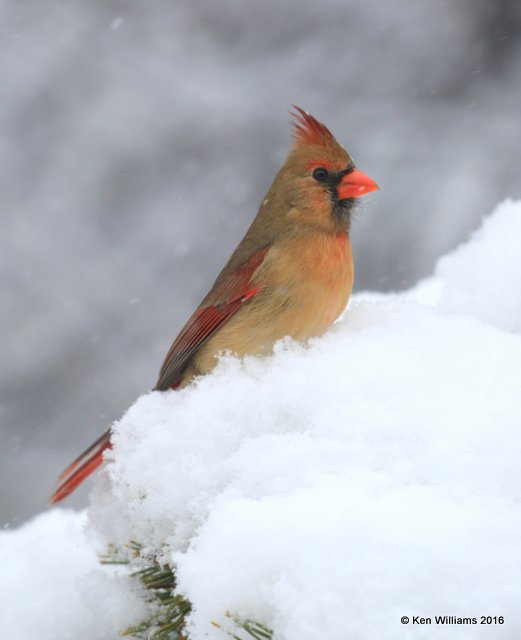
82,467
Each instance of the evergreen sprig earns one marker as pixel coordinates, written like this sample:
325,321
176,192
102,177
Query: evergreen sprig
169,610
254,629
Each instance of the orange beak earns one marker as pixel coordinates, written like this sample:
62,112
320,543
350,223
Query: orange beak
355,184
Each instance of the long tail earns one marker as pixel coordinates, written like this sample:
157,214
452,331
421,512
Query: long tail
82,467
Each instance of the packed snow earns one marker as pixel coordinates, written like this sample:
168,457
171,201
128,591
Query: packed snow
325,491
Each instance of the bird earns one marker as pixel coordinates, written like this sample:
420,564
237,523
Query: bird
291,275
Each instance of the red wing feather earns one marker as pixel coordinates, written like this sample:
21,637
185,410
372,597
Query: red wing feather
226,297
228,294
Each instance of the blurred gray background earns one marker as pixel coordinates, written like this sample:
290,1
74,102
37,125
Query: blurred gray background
138,138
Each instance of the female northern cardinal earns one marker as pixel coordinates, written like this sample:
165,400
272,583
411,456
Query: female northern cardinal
291,275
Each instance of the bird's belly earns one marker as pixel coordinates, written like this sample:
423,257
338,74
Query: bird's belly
303,289
255,328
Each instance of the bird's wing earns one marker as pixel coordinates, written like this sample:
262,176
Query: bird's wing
227,296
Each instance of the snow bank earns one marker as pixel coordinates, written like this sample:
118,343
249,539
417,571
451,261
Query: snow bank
52,586
328,490
483,276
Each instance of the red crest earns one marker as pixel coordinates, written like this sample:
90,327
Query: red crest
309,130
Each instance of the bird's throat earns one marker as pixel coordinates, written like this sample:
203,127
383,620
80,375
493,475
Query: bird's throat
342,212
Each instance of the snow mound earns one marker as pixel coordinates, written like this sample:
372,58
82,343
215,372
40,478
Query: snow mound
330,489
52,586
482,278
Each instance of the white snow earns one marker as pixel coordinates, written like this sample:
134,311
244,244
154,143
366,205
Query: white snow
325,491
484,276
52,586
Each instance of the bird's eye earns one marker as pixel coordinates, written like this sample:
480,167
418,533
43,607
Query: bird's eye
320,174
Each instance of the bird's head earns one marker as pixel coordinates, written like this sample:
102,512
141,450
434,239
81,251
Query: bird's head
319,181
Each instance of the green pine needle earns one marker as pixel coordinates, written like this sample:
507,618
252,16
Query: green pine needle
169,610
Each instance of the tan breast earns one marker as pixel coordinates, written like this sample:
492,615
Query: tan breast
305,284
